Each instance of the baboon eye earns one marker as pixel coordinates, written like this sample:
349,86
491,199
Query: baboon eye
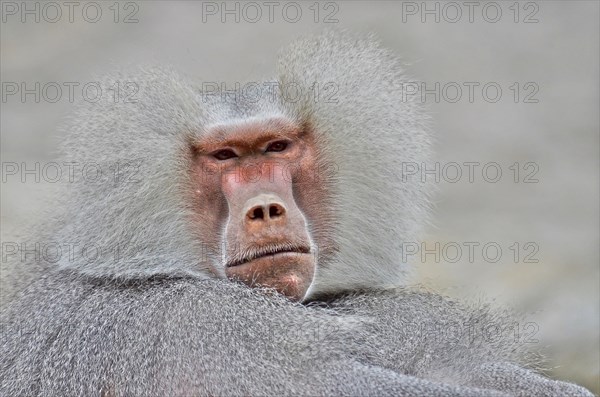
278,146
224,154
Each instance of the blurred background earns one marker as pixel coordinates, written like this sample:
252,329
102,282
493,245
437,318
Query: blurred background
513,87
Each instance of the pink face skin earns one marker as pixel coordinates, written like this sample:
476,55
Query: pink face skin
258,189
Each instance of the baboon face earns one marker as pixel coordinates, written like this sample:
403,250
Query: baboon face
259,190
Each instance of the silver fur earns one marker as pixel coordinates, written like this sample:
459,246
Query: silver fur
156,322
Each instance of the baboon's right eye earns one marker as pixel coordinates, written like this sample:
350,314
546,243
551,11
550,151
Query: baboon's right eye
224,154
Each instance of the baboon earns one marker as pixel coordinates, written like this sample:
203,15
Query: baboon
295,192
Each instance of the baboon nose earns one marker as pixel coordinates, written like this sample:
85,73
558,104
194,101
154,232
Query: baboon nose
265,207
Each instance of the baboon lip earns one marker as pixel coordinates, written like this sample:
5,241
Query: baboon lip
268,251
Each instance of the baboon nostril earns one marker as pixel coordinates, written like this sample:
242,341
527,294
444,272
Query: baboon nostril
265,208
275,211
256,213
260,212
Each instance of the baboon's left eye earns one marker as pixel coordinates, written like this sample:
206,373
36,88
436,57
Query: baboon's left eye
278,146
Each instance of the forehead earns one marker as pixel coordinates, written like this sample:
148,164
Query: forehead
251,130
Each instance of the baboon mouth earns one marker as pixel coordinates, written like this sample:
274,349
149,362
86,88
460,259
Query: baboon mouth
262,252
